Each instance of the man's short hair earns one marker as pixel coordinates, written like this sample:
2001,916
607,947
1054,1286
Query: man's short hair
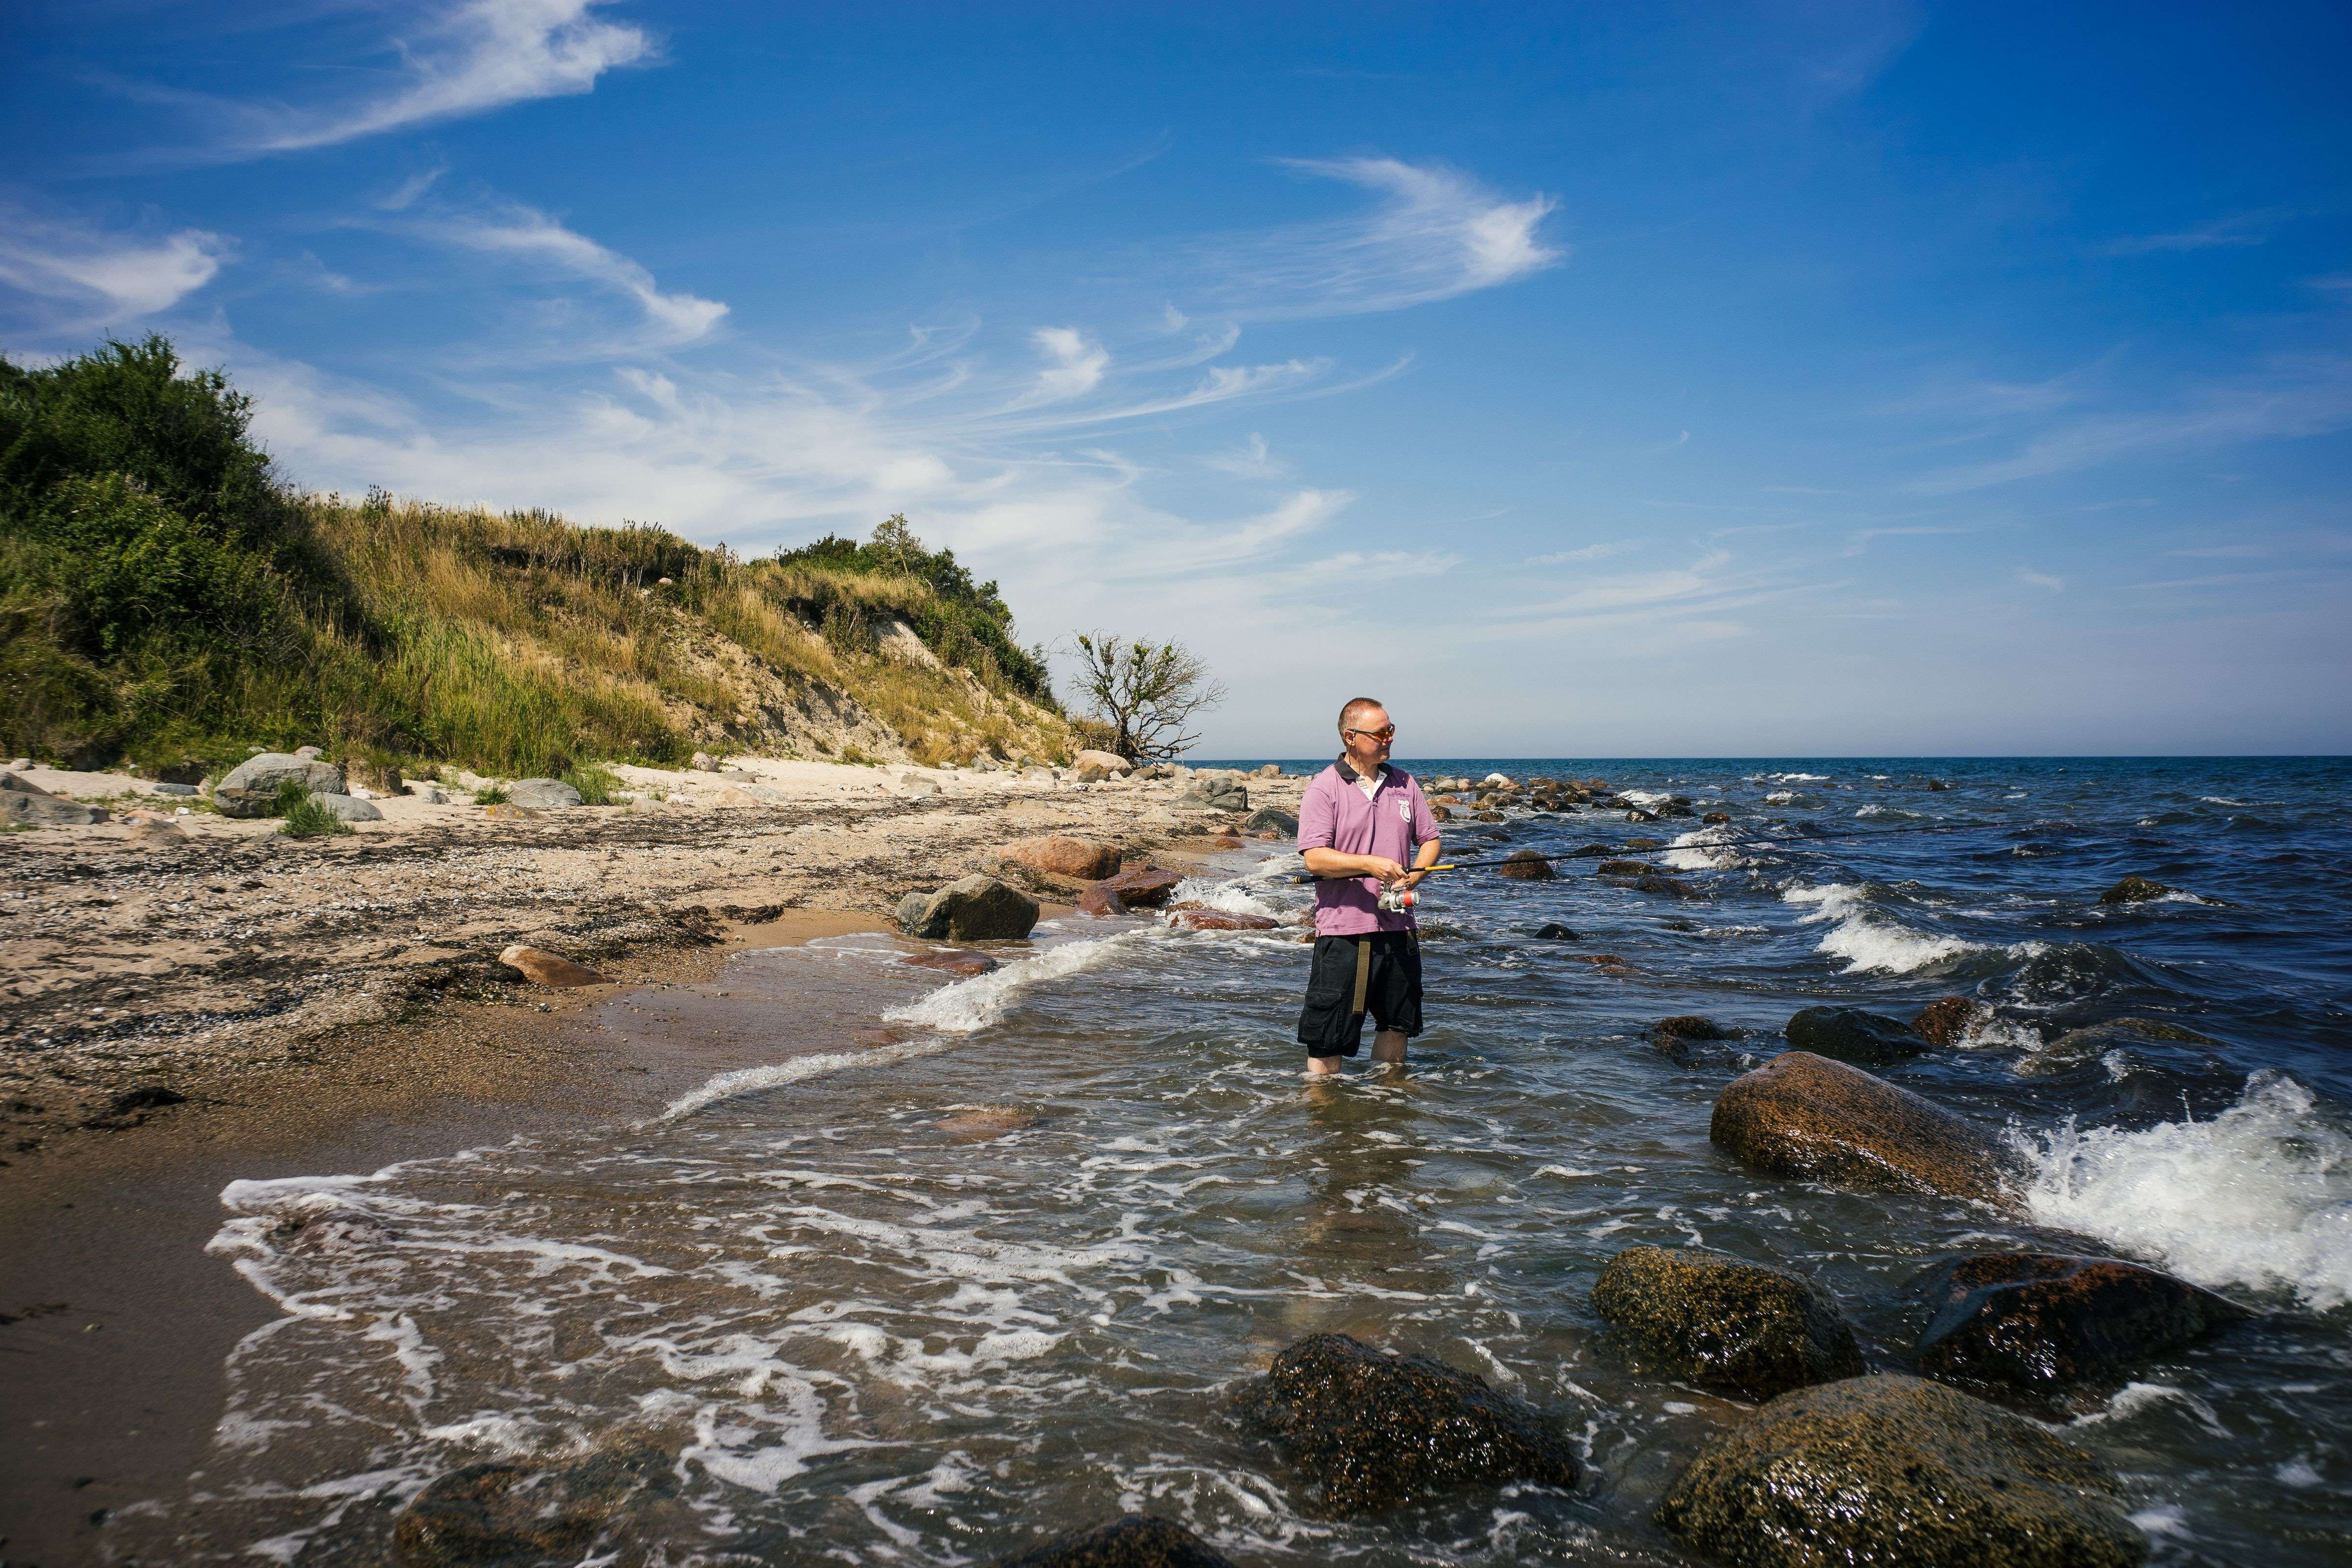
1356,708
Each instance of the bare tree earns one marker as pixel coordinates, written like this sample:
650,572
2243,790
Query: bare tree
1146,692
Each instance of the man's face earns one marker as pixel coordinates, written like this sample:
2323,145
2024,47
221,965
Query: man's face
1367,737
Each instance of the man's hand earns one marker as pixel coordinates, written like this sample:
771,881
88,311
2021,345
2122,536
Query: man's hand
1379,866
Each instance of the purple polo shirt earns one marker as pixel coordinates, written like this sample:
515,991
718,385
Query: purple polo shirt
1334,814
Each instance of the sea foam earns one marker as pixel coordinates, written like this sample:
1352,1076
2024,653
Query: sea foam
970,1005
1869,941
2260,1195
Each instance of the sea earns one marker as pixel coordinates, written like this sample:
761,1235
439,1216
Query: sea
973,1262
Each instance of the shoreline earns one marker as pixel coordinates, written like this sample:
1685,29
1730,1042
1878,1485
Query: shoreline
118,1322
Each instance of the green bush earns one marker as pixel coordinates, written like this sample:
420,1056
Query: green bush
306,818
596,783
490,794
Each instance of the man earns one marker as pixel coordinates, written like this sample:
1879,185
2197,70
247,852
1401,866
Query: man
1358,826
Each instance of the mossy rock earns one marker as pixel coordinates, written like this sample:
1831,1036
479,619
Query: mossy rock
1742,1327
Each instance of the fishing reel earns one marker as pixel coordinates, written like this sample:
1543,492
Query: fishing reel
1396,900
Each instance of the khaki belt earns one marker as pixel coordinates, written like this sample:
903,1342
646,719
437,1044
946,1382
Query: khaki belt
1363,973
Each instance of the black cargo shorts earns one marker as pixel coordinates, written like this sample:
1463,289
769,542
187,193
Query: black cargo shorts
1378,974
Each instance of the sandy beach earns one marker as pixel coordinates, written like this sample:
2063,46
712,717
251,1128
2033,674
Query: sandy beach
337,1003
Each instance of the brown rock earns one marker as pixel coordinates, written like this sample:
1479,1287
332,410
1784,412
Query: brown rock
1624,868
1085,858
977,1123
542,967
500,1512
1902,1473
953,960
1200,917
1805,1116
1138,886
1753,1331
1526,866
2134,890
2042,1324
1138,1540
1946,1022
1442,813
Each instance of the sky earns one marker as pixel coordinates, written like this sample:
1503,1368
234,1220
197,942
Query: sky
1580,380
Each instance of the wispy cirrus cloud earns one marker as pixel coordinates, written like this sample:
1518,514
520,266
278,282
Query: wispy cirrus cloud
523,232
2239,229
457,60
1588,553
1434,233
90,279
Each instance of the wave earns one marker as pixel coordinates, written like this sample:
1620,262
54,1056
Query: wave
1233,897
1867,941
1704,850
970,1005
2260,1195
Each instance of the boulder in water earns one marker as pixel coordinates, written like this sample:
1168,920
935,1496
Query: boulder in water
1441,812
1680,1036
1624,868
1946,1022
1138,886
497,1514
2098,1037
1375,1431
1743,1327
1590,852
542,967
1200,917
953,960
1804,1116
1271,818
2134,890
1138,1540
1715,818
2042,1324
970,909
1643,845
1897,1471
1851,1034
1552,931
1060,856
1526,866
1664,887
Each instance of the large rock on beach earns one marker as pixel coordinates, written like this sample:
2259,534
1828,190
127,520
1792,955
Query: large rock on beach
970,909
1946,1022
250,788
1375,1430
501,1513
1526,866
1138,1540
2134,890
1137,887
542,794
1804,1116
1061,856
1898,1472
1112,765
26,803
2043,1324
1751,1330
1271,818
542,967
1220,792
1851,1034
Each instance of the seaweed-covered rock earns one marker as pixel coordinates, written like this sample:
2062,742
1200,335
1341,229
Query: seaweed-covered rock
1526,866
1623,868
1138,1540
1590,852
2134,890
1375,1429
1805,1116
2043,1324
1685,1035
1665,887
1271,819
970,909
1898,1472
1851,1034
1946,1022
494,1513
1753,1331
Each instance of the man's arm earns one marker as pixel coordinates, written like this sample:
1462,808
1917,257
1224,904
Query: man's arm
1331,863
1423,859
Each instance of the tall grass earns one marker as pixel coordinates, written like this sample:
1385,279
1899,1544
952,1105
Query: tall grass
180,606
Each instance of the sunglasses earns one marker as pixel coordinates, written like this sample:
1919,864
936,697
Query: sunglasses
1386,734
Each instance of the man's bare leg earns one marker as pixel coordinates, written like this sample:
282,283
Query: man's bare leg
1320,1067
1388,1047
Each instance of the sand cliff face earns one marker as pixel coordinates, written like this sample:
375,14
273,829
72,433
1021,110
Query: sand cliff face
144,955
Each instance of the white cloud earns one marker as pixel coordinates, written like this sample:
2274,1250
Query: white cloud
1075,363
1589,553
2032,579
1251,460
102,279
463,60
1434,233
513,230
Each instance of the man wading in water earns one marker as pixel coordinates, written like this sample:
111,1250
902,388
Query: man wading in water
1357,826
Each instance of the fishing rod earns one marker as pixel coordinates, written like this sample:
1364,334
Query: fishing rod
1586,854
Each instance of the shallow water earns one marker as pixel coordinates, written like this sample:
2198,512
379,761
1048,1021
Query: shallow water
926,1295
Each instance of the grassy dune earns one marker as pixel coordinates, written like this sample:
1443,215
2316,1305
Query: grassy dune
165,601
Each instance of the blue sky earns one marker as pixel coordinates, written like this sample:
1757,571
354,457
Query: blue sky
1581,380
